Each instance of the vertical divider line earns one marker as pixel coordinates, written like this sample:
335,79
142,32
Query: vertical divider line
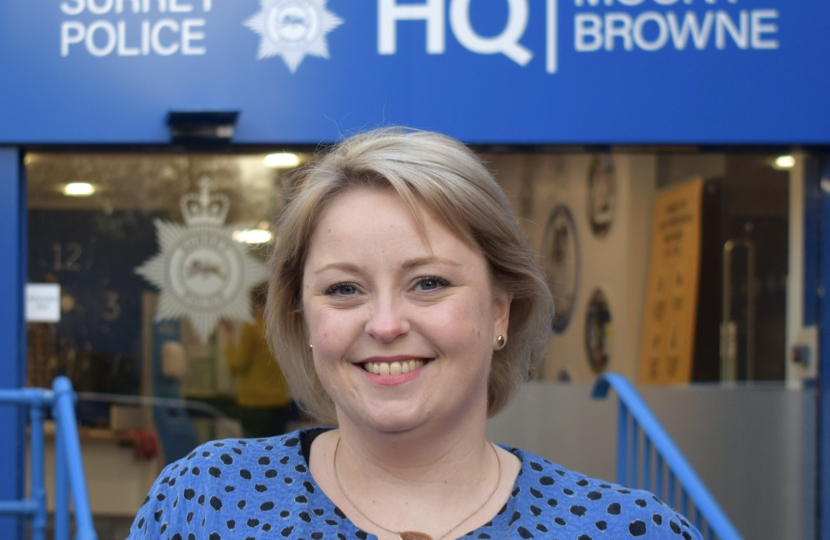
36,466
622,443
635,453
684,502
552,37
672,490
61,488
658,476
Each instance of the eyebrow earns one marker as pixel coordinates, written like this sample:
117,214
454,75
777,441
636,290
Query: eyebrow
408,265
346,267
423,261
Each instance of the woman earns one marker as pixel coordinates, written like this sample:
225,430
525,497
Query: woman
263,396
405,307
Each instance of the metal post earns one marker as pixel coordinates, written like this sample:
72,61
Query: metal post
68,434
61,491
672,489
658,476
622,443
635,450
38,487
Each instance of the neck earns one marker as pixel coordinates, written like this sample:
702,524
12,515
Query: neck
429,481
413,455
428,450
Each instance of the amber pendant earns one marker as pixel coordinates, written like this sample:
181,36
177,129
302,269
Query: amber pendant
413,535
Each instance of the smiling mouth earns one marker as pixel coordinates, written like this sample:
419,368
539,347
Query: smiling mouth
393,368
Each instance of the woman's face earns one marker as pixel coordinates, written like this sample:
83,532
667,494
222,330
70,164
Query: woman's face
403,327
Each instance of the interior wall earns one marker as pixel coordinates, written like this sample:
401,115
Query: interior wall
614,262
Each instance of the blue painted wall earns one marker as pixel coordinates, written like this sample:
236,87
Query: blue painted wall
12,329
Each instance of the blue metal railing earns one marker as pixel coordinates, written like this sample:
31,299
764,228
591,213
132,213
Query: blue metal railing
672,474
69,468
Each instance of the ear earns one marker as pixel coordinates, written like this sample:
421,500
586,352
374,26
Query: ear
501,313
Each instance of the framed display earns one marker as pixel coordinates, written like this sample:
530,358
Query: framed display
598,332
560,252
601,194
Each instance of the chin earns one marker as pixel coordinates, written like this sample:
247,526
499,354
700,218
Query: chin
390,421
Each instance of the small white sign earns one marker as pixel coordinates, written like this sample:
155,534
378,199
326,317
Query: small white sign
43,302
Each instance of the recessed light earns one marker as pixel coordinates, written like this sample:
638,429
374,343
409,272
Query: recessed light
252,236
785,162
78,189
282,160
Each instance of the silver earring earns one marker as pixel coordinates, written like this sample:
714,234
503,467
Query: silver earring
500,341
310,346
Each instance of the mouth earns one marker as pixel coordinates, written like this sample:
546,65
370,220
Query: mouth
397,367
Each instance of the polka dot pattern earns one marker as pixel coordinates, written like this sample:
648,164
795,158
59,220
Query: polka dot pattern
257,489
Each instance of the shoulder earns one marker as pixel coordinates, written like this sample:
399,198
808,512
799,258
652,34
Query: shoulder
549,498
217,457
228,478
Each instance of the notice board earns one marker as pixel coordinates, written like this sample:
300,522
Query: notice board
668,338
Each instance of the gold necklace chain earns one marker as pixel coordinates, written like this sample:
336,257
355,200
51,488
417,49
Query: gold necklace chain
413,534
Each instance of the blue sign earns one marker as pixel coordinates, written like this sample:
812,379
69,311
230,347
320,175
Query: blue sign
485,71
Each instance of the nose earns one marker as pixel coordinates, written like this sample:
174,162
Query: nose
387,321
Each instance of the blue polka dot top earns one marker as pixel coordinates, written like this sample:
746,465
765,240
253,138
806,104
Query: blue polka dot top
246,489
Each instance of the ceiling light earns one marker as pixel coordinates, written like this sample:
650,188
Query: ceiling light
252,236
785,162
282,160
78,189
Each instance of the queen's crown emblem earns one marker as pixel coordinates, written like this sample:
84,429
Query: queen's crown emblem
204,208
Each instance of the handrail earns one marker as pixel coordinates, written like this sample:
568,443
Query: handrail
667,452
69,467
122,399
67,439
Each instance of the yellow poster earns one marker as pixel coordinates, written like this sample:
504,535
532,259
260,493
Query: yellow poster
667,343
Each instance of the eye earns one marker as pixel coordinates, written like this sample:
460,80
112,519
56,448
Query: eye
342,289
431,283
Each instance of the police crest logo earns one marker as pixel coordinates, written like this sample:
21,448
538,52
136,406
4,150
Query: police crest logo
203,273
293,29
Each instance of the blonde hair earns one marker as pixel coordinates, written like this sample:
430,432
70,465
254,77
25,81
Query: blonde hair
448,178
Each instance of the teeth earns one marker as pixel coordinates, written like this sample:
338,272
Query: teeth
395,368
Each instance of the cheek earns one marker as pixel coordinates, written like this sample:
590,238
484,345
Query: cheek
321,323
331,330
471,317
